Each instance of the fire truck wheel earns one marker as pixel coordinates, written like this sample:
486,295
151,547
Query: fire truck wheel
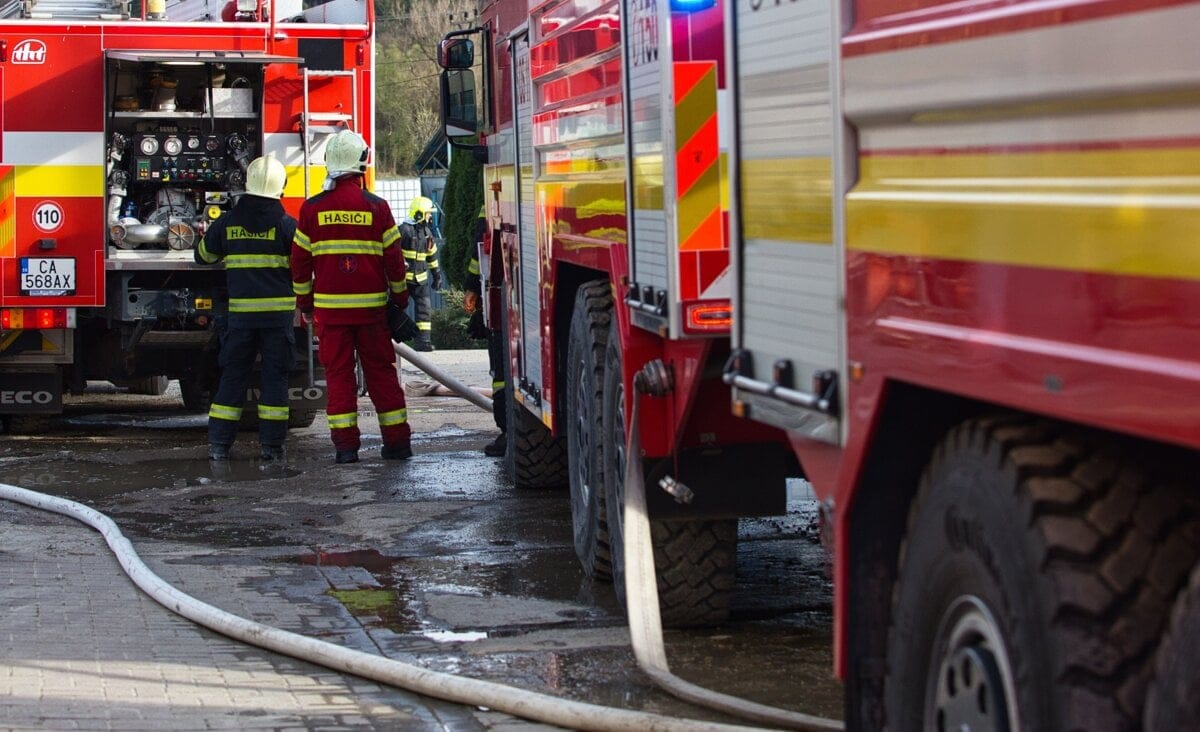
301,418
1034,581
28,424
585,373
535,457
149,385
1174,698
694,560
196,398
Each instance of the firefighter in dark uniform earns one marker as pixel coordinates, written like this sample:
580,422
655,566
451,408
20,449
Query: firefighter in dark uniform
472,302
254,239
346,267
421,266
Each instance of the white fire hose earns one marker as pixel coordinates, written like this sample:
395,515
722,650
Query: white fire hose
449,381
458,689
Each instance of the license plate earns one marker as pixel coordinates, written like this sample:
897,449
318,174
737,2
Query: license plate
47,276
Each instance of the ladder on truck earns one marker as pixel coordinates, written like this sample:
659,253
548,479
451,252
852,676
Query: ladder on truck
314,126
318,124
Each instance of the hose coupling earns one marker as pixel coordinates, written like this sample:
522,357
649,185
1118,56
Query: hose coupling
680,492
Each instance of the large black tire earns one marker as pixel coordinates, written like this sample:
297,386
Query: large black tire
28,424
196,398
585,425
148,385
695,561
535,457
1033,582
1173,701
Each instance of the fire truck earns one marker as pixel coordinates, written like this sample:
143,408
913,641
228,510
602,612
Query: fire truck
123,137
953,245
607,257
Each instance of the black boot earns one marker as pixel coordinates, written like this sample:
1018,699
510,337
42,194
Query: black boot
271,452
423,344
218,452
396,452
346,456
496,447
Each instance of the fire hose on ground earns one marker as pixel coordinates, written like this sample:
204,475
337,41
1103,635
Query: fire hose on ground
645,624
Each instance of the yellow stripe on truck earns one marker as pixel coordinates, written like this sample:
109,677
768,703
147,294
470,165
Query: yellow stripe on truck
1130,212
788,200
60,181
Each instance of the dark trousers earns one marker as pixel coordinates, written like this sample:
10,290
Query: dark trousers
497,363
239,347
422,303
373,345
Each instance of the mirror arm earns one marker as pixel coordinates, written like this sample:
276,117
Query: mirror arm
479,152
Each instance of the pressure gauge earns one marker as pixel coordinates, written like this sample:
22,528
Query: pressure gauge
193,143
148,145
172,146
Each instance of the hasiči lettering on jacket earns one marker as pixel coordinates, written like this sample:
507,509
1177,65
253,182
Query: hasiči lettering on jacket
237,232
354,218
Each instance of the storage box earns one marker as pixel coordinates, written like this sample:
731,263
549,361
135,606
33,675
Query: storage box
232,101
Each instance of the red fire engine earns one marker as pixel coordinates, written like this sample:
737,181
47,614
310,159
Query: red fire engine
956,240
599,287
122,138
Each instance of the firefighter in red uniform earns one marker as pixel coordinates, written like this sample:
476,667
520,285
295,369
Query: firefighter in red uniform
254,240
346,266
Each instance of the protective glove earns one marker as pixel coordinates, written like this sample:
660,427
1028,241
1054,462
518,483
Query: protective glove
437,279
475,327
400,325
470,301
306,316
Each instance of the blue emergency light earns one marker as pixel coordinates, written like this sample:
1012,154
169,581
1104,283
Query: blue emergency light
691,6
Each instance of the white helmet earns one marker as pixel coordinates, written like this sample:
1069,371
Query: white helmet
346,152
265,177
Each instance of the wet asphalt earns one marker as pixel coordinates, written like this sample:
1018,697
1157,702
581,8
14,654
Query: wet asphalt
436,560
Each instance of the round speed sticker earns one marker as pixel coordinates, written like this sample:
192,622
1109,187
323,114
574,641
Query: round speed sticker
48,216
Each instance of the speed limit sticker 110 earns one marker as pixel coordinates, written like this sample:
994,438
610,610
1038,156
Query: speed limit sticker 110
48,216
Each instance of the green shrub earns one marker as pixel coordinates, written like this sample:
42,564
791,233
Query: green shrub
460,202
450,324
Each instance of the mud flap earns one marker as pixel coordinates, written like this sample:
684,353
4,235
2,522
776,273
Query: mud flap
31,392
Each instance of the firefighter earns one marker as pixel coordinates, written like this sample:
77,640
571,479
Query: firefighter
346,267
421,262
495,340
254,239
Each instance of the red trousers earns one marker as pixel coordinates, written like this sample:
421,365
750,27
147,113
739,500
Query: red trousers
373,345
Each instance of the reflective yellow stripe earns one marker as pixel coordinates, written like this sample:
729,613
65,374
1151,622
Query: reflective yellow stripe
302,288
347,246
411,254
395,417
246,261
342,421
279,414
416,276
473,267
497,385
354,300
397,287
433,249
424,325
390,236
261,304
206,255
301,240
59,181
220,411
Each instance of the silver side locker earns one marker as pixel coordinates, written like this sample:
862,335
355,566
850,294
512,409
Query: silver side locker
528,279
789,171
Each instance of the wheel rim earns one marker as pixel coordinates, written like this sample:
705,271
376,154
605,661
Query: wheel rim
583,442
971,684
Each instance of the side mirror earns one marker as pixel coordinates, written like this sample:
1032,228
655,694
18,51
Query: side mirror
459,115
456,53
